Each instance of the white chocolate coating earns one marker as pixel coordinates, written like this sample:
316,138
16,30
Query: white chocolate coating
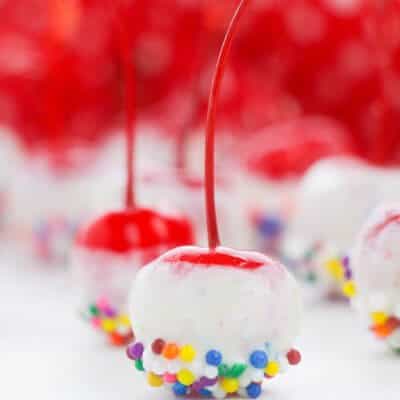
226,308
334,198
97,273
376,263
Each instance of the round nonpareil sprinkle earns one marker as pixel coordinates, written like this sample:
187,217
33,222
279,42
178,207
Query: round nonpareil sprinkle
187,371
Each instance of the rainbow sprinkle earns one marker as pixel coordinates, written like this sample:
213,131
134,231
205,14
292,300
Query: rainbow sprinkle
335,268
269,229
185,371
384,326
105,318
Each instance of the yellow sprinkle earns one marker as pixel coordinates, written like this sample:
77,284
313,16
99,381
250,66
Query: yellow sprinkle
154,380
230,385
123,319
187,354
108,325
272,368
186,377
379,317
349,289
335,269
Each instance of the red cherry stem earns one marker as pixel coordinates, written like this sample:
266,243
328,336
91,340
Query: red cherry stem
376,37
130,118
129,98
209,161
53,120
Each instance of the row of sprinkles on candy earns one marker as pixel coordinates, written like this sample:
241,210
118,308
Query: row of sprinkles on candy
207,375
336,268
109,320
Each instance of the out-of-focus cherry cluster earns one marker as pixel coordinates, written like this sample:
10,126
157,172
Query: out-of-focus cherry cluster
61,74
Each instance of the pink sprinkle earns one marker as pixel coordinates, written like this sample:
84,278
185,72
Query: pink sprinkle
169,378
96,322
102,303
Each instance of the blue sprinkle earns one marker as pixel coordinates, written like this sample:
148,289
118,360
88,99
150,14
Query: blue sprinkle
259,359
270,226
214,357
205,393
253,390
179,389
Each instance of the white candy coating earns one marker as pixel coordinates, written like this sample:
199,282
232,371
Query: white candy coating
216,307
334,198
376,262
98,274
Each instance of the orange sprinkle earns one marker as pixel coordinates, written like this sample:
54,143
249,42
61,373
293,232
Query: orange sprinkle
384,330
116,339
170,351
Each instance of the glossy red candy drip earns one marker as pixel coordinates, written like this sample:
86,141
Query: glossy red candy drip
123,231
216,258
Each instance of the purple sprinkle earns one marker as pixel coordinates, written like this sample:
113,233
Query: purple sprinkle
109,312
135,351
197,386
203,382
346,262
348,273
208,381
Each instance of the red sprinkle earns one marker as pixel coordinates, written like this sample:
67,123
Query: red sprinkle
294,357
158,346
216,258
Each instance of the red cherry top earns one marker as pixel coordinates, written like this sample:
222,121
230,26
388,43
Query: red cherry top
288,149
220,257
124,231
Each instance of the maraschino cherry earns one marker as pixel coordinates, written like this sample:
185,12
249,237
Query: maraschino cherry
110,250
214,322
345,189
275,160
374,283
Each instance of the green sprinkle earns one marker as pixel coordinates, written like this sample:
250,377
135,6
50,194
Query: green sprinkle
93,310
139,365
223,370
236,370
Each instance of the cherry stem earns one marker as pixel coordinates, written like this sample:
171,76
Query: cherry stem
130,118
377,41
129,96
54,117
209,160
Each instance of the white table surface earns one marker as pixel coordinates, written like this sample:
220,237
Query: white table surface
47,353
